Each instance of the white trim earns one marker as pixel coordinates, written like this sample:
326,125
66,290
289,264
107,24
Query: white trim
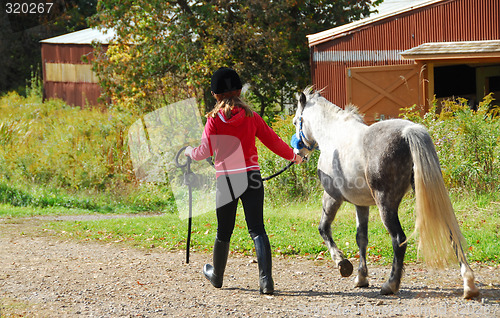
357,56
239,169
222,118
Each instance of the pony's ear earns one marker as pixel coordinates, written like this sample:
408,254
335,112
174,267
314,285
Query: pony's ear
302,100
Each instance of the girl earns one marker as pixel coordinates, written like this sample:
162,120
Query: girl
230,133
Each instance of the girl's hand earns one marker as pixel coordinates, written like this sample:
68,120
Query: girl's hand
188,151
298,159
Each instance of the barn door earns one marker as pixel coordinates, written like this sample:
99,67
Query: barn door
380,91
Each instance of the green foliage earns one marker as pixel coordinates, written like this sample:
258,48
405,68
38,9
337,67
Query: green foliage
298,182
54,155
52,143
21,198
167,48
35,87
21,33
467,143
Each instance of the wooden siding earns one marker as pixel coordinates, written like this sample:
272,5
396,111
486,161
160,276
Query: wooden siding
76,94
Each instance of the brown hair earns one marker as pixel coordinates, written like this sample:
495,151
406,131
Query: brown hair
227,101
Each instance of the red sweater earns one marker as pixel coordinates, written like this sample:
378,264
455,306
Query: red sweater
233,142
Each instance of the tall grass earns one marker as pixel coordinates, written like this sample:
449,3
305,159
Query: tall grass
52,154
299,182
467,142
69,147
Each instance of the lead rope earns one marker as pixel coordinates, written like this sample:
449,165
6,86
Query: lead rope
210,161
279,172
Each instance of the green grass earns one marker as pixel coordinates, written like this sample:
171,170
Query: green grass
9,211
13,308
293,231
23,201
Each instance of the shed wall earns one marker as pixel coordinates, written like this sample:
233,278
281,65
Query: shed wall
379,43
66,76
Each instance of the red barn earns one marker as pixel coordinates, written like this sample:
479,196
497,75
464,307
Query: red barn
65,74
408,53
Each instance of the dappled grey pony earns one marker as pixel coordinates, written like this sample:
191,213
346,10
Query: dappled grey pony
377,165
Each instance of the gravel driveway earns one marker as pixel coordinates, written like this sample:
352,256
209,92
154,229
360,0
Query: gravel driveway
45,276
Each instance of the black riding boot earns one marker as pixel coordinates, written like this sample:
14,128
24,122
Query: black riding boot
264,258
215,273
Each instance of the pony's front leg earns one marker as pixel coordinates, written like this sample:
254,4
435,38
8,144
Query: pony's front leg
362,215
330,208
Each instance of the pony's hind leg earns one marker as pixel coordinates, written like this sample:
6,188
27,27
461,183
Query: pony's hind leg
391,222
330,208
470,289
362,214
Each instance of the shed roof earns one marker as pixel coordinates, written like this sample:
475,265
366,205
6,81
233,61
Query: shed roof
85,36
447,50
387,9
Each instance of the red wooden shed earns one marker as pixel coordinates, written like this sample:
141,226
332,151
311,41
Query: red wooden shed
408,53
65,74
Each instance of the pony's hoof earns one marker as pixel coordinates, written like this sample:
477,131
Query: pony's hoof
471,293
361,281
387,289
345,268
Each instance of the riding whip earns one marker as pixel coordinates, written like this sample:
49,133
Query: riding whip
189,178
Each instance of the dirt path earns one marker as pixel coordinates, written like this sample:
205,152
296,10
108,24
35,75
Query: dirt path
44,276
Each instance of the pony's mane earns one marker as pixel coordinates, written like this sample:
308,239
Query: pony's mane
350,111
353,110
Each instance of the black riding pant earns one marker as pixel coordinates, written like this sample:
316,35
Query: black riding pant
253,205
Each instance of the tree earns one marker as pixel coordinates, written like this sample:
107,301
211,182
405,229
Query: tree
20,34
170,48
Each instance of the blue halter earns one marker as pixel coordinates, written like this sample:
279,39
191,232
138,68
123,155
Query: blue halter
301,141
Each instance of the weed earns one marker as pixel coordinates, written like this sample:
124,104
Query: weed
467,142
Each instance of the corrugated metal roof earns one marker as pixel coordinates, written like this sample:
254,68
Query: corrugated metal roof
86,36
463,47
386,9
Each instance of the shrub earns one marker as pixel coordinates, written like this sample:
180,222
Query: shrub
52,154
467,142
69,147
298,182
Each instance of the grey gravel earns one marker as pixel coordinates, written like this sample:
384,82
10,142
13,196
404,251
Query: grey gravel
48,276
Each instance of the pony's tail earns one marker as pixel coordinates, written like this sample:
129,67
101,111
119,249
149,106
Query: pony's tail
440,239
